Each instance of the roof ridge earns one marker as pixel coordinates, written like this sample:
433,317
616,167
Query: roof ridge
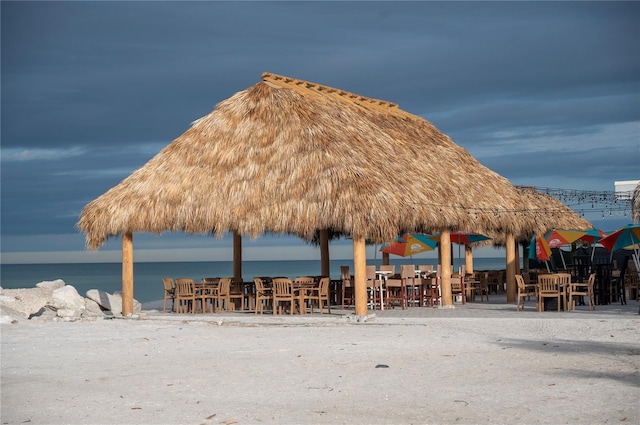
283,81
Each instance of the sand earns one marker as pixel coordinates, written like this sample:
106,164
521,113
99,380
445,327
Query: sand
475,364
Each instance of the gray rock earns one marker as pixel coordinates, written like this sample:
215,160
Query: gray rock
67,302
45,314
106,301
92,309
51,285
111,302
26,301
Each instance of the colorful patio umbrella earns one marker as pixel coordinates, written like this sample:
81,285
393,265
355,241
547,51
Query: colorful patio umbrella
627,236
592,235
462,238
560,237
410,244
539,250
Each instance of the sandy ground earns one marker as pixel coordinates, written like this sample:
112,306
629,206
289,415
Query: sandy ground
475,364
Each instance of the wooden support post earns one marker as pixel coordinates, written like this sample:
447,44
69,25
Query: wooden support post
517,248
511,268
360,276
325,268
237,255
468,258
445,262
385,258
127,274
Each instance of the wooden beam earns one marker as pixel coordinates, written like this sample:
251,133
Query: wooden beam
468,258
511,268
325,267
127,274
237,255
445,264
385,258
360,276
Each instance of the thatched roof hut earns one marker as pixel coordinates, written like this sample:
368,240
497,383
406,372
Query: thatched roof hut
291,156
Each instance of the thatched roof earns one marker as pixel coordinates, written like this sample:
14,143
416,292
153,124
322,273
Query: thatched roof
291,156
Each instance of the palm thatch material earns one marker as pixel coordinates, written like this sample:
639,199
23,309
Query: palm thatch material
547,212
291,156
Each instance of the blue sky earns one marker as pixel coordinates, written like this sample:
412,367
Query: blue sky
547,94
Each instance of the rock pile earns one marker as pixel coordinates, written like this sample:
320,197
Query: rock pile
56,301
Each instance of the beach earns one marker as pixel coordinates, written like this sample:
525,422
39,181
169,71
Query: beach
473,364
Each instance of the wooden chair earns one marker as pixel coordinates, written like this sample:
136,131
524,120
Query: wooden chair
581,289
169,293
456,287
302,287
208,294
263,296
482,286
372,287
564,281
525,290
548,288
185,295
283,293
413,284
347,286
236,293
320,294
397,287
222,293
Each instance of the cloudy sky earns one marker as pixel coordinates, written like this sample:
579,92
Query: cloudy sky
546,94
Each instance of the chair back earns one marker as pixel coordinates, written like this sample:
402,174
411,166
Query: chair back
564,278
548,283
324,287
169,284
305,280
407,271
210,279
520,282
345,275
282,286
185,286
591,281
388,268
425,268
224,286
259,285
371,275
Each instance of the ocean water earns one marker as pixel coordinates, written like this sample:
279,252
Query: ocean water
148,276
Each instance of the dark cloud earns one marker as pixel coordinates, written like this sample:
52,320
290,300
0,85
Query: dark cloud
92,90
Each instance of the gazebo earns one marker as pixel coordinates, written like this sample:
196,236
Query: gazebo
291,156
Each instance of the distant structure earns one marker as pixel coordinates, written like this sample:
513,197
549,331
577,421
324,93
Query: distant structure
625,189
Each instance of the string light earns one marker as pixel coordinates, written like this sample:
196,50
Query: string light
602,203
